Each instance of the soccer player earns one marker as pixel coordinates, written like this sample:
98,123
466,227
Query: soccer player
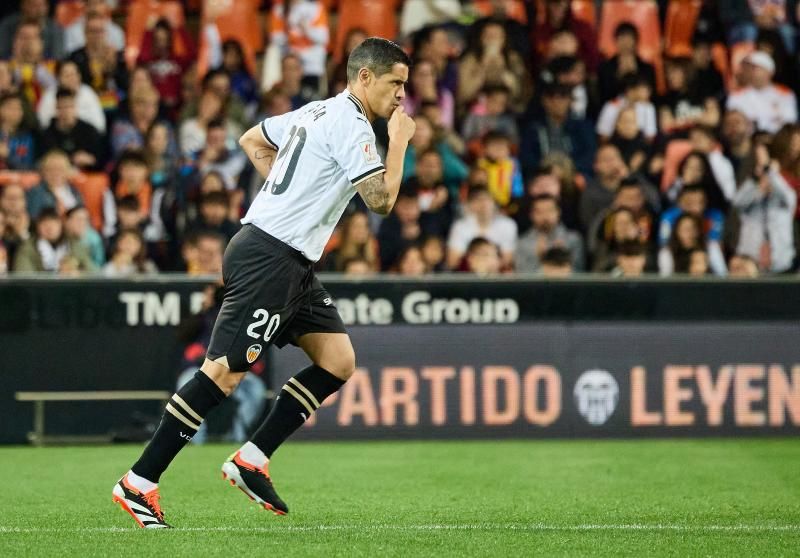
314,160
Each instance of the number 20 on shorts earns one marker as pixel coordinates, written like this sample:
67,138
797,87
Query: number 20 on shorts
262,317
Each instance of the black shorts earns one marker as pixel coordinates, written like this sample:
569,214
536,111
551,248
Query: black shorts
271,296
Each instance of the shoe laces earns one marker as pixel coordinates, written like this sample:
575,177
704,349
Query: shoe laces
152,498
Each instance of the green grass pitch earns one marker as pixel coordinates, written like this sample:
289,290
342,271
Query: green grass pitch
734,497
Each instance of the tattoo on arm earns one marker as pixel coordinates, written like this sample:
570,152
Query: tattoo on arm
373,192
268,154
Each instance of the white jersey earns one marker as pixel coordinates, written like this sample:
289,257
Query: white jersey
324,150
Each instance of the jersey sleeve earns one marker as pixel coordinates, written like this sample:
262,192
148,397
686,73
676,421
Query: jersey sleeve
356,152
272,128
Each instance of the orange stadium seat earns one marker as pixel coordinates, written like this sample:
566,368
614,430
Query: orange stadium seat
142,14
644,15
680,25
515,9
92,187
244,24
68,11
377,17
676,151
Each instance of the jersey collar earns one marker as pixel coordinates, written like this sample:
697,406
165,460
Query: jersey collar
356,102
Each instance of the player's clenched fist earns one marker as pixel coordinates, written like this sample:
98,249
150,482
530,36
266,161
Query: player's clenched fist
401,125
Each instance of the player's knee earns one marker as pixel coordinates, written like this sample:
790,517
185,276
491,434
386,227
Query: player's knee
343,365
222,376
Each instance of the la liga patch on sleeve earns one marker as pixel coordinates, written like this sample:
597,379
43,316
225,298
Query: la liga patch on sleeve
369,152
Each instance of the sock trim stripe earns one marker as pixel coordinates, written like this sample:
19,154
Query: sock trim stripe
174,412
299,397
185,407
310,395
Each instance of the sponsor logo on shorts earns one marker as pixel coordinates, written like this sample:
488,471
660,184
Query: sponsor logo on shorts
328,301
252,352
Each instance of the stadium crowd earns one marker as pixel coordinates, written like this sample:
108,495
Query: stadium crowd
553,136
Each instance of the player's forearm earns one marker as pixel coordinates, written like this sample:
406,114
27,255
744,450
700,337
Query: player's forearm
262,157
393,176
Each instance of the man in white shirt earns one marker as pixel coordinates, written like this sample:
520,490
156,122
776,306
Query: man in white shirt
482,220
767,104
323,153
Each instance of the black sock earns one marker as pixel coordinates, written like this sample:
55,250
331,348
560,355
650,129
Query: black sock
297,401
181,420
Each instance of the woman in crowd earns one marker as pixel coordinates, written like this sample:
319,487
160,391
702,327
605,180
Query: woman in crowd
356,241
87,102
128,256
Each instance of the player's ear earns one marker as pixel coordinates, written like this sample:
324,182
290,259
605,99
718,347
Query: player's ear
365,76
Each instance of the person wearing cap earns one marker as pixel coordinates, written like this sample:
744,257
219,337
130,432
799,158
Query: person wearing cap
557,131
767,104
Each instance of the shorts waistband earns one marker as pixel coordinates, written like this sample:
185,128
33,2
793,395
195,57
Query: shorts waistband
279,245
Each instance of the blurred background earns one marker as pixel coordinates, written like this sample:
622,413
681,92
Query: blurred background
595,235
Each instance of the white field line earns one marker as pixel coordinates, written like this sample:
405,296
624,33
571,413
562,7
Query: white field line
431,527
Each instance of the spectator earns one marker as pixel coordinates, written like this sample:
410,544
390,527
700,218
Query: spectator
163,165
698,263
75,33
785,149
766,206
233,109
433,43
355,242
49,249
217,156
631,260
423,88
192,132
704,140
609,170
337,68
101,64
4,267
687,237
743,267
447,135
78,139
682,107
481,219
636,93
630,140
128,256
54,191
86,100
557,132
167,53
210,247
425,138
77,228
243,84
432,194
490,61
558,17
34,13
410,263
129,132
133,174
400,229
482,258
766,104
547,232
611,73
746,17
433,252
17,221
32,73
504,177
570,71
693,201
631,196
303,32
214,209
292,82
620,227
736,134
695,169
17,144
556,262
128,217
706,80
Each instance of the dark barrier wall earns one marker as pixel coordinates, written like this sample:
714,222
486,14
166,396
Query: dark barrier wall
451,358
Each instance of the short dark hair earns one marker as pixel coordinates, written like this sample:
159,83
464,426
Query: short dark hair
128,203
630,182
544,197
626,28
9,96
64,93
72,211
558,256
377,55
496,135
216,122
215,198
631,248
634,79
692,189
48,213
476,191
479,242
132,157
